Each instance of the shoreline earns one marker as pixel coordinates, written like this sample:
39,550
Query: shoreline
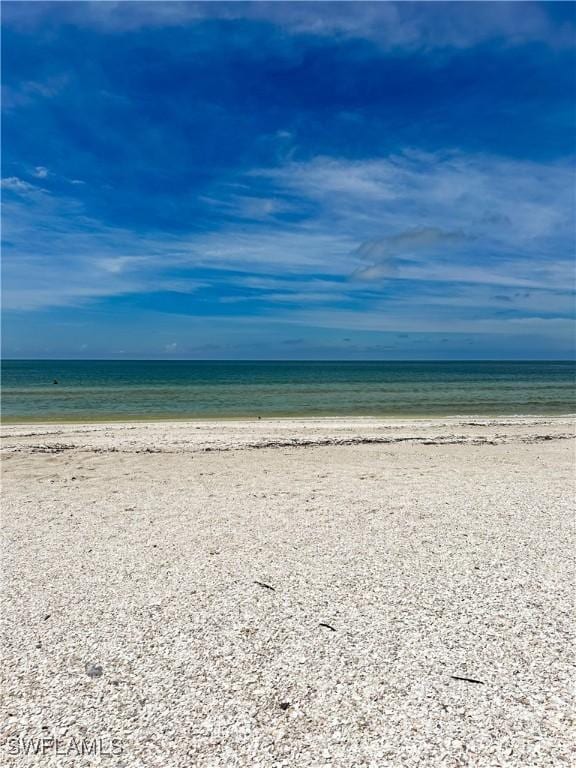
59,421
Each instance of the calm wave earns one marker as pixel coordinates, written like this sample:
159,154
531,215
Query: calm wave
101,390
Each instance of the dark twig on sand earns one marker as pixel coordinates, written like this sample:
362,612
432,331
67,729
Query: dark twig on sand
266,586
467,679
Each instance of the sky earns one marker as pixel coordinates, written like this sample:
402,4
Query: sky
288,180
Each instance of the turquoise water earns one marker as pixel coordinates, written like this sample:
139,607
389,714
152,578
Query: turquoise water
102,390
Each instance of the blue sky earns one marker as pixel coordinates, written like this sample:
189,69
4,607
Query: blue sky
288,180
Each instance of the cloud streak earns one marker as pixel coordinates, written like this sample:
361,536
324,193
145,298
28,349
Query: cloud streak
482,220
385,255
400,25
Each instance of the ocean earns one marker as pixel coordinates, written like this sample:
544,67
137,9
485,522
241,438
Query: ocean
100,390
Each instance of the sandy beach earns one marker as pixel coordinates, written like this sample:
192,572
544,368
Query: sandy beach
332,592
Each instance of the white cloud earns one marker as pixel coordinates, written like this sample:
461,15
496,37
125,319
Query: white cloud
118,264
423,219
57,256
29,91
444,216
426,321
452,191
40,172
249,206
400,25
14,184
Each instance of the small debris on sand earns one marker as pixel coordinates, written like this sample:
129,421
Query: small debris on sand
94,670
266,586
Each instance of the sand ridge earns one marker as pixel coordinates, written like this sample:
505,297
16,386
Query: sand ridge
180,436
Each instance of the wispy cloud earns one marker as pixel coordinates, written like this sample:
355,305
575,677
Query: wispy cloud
55,255
385,255
392,25
40,172
431,322
480,220
15,184
28,91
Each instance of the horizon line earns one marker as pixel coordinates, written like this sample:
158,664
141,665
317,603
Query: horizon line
280,360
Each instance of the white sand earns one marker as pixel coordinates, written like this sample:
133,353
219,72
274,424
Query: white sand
433,548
